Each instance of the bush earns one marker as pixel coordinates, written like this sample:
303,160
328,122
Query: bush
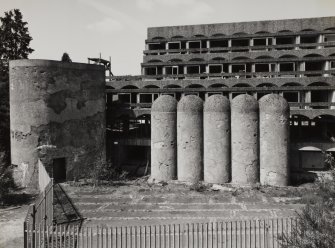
6,180
105,171
316,223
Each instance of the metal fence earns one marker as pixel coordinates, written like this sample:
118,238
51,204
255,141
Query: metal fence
39,213
229,234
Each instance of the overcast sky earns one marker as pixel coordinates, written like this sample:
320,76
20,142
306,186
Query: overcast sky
117,28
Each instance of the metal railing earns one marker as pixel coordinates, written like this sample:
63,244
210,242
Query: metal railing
260,233
40,213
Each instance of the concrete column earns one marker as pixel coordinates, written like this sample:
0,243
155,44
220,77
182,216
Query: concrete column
138,100
164,138
185,69
332,97
302,68
326,67
308,98
244,139
217,162
190,139
208,44
320,40
274,140
229,68
164,70
297,41
253,69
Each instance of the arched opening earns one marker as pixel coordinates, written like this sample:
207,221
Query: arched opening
217,86
158,38
285,42
329,37
154,61
314,66
240,44
310,133
129,87
196,59
193,86
320,96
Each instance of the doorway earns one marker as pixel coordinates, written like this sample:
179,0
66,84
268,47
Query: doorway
59,170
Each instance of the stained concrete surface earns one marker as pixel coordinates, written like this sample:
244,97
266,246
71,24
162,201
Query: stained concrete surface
59,107
217,159
245,140
274,140
164,138
139,203
190,139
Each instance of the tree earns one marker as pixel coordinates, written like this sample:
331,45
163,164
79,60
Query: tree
66,58
14,40
14,44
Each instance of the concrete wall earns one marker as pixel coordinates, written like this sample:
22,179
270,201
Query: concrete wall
217,161
164,139
245,140
245,143
190,139
56,110
273,26
274,140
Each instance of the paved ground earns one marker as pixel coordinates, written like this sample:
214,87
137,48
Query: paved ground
11,226
137,202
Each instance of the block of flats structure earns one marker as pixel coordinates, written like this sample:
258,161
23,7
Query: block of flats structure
294,58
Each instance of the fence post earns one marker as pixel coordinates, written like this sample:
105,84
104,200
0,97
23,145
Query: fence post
52,202
33,215
25,234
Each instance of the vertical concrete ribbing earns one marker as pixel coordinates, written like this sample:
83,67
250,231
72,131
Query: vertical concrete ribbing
190,139
244,138
274,140
164,138
217,160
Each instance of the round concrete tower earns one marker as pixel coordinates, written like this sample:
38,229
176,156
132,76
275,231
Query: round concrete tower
217,161
57,116
190,139
274,140
164,138
244,138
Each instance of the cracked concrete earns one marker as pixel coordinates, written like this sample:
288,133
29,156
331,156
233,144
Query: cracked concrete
57,104
217,160
274,140
190,139
164,139
244,140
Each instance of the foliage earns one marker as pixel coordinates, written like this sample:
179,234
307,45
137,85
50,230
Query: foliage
14,44
316,223
14,40
6,182
66,58
105,171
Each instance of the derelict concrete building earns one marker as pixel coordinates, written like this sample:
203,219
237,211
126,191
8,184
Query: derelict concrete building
294,58
57,117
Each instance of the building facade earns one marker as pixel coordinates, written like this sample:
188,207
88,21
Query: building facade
294,58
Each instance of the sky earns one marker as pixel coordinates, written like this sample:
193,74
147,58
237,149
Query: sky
118,28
